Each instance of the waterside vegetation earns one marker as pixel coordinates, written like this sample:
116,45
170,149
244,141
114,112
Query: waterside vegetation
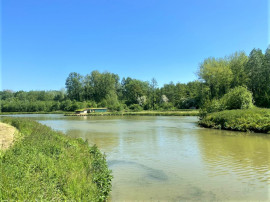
246,120
46,165
235,111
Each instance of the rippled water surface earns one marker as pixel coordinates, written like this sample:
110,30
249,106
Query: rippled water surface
172,159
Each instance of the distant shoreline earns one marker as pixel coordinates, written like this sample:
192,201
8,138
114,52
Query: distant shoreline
141,113
184,112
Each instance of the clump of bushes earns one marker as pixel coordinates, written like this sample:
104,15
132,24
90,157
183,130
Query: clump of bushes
47,165
237,98
135,107
167,106
255,119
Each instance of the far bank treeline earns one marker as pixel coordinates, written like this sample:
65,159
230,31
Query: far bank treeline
216,76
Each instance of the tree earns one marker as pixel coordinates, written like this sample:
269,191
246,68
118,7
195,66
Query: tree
74,86
255,72
169,91
179,95
152,94
88,86
103,84
265,96
217,74
133,89
237,62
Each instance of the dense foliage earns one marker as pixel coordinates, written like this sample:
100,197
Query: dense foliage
255,119
237,98
46,165
253,71
216,77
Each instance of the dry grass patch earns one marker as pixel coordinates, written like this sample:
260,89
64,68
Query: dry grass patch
7,134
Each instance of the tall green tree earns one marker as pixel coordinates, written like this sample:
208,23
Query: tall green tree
237,63
103,84
255,72
88,86
168,90
152,93
179,95
217,74
134,89
265,97
74,86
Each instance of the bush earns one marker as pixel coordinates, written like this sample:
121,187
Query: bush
135,107
238,98
91,104
210,107
167,106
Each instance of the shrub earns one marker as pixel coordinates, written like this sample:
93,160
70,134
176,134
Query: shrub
238,98
91,104
167,106
135,107
210,107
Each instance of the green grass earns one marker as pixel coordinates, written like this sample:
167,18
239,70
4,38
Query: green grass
143,113
254,120
53,112
47,165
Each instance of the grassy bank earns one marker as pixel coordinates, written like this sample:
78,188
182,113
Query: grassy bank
143,113
47,165
41,112
255,120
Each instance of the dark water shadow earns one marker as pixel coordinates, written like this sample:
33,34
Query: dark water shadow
151,173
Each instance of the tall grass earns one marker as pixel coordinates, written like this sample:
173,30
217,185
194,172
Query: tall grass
254,120
47,165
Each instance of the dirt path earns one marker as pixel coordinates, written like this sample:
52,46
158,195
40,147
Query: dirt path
6,135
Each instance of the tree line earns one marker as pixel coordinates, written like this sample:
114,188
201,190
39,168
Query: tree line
219,75
216,77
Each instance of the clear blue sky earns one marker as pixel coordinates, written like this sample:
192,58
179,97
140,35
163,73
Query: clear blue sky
44,40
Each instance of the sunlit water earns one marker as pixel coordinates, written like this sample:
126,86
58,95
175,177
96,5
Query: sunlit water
173,159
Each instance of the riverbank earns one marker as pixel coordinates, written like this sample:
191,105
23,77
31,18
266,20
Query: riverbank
249,120
41,112
47,165
142,113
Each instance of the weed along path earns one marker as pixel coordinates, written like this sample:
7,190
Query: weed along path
7,133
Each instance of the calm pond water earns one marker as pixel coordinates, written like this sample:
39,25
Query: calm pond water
172,158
